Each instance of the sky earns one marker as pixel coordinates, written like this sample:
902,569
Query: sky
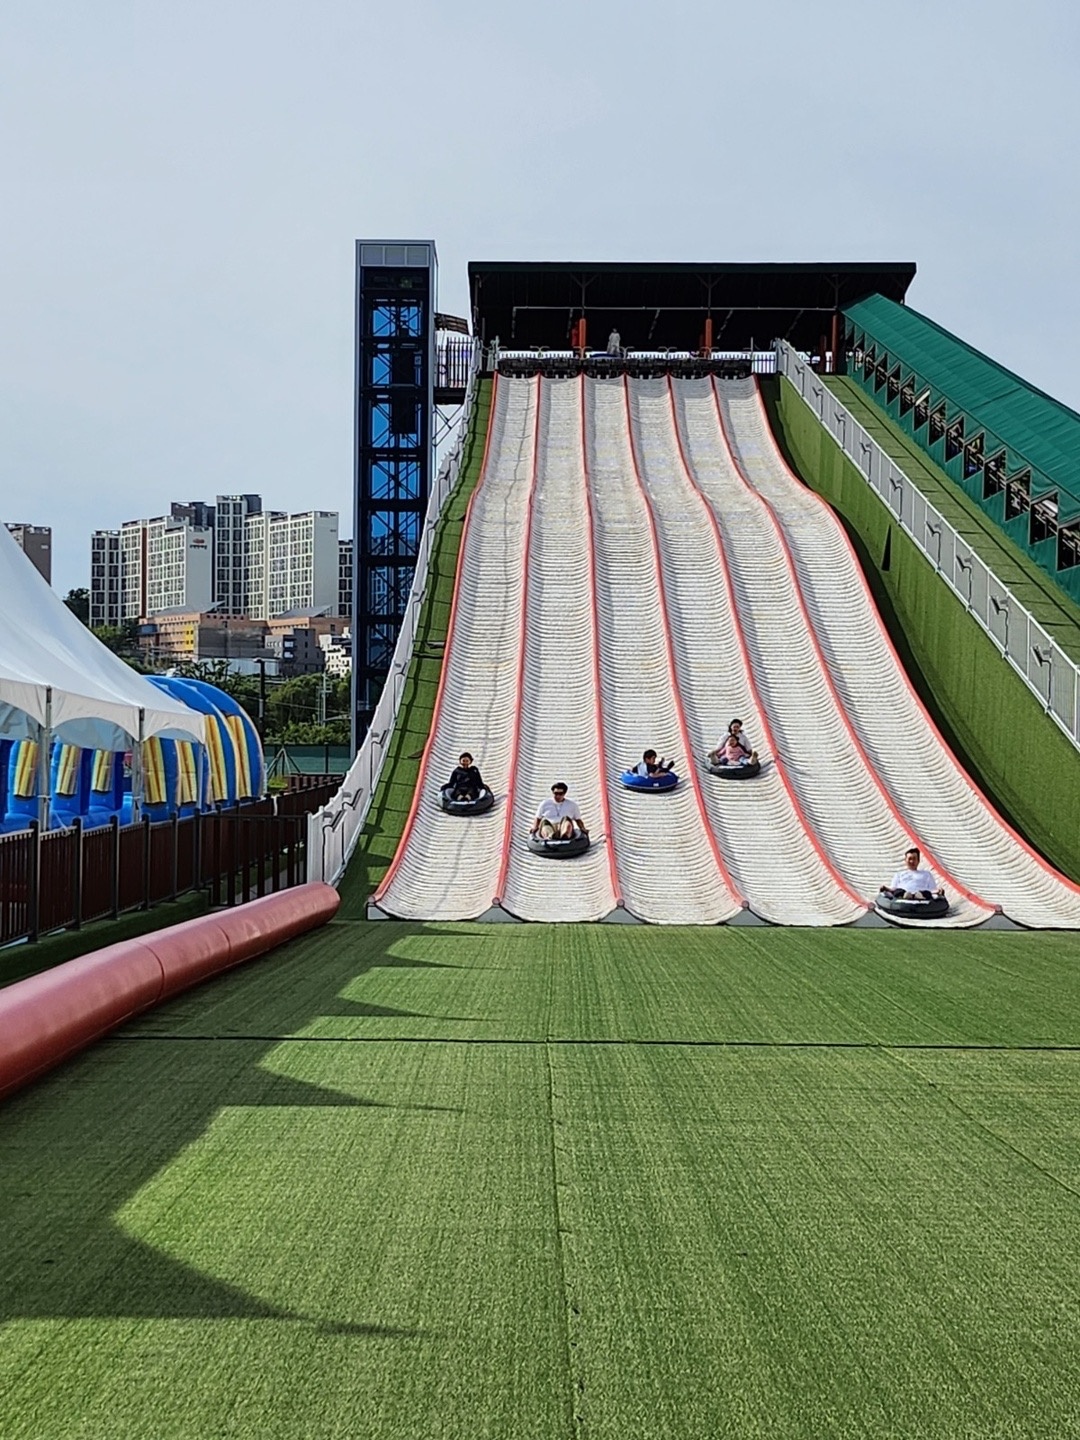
182,185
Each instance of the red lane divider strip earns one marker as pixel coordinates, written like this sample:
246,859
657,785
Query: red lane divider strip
744,653
605,808
515,750
422,776
826,672
669,651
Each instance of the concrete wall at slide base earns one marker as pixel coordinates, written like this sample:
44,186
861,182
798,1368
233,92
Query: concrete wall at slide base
1000,731
50,1016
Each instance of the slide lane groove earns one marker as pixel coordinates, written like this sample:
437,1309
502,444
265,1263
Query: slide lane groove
446,867
670,868
561,727
770,849
934,792
842,797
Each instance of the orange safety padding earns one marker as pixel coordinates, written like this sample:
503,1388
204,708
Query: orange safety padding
50,1016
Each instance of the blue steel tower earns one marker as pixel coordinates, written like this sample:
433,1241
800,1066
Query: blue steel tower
394,449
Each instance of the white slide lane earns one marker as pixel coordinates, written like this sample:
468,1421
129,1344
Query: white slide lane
773,857
937,797
559,718
841,795
670,871
447,866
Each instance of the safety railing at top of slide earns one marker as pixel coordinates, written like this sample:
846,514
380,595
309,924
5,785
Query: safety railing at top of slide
1044,667
333,831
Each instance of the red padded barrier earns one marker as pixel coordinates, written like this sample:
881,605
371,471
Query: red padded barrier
47,1017
50,1016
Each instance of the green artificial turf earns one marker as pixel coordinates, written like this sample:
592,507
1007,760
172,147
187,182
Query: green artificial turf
522,1181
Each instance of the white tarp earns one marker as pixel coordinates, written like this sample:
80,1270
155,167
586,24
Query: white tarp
96,698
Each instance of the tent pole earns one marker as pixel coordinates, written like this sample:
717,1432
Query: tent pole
44,756
137,785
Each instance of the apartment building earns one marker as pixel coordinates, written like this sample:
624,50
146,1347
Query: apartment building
293,563
105,578
231,557
36,543
345,578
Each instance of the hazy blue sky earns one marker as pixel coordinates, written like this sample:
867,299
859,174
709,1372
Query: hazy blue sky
182,185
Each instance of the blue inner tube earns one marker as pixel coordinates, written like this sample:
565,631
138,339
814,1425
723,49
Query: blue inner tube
632,781
735,772
914,909
484,801
559,849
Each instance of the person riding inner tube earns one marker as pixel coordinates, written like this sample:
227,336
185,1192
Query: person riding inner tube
914,891
558,827
465,792
650,773
734,748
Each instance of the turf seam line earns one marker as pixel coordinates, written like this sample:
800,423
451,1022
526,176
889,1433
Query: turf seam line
881,1045
573,1388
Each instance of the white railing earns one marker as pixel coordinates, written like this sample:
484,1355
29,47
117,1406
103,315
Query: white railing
333,831
1044,667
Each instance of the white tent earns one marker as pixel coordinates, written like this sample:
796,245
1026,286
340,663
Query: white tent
57,679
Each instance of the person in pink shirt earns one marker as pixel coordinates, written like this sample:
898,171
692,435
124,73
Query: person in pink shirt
734,748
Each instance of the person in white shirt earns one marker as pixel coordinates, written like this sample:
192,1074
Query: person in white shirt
557,818
650,765
913,882
614,344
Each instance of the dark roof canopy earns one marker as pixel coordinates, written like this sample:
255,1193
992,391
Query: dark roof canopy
529,303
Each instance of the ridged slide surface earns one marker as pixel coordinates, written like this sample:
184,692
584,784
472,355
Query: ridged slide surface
447,867
669,870
841,795
937,797
559,716
770,852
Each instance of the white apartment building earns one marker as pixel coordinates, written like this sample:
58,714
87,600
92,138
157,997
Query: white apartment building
150,565
180,566
345,578
231,557
293,563
231,551
105,578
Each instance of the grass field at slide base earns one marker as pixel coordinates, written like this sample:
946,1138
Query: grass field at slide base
519,1181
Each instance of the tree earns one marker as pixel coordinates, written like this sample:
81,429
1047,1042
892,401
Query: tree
78,602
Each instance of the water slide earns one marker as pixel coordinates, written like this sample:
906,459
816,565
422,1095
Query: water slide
637,566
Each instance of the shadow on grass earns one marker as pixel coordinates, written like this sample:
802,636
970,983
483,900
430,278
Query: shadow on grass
82,1142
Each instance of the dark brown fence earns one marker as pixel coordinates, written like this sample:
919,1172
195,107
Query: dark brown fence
62,879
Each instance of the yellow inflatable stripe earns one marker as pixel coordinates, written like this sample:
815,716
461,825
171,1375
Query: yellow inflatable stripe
26,770
67,771
188,772
154,772
219,775
102,777
243,759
